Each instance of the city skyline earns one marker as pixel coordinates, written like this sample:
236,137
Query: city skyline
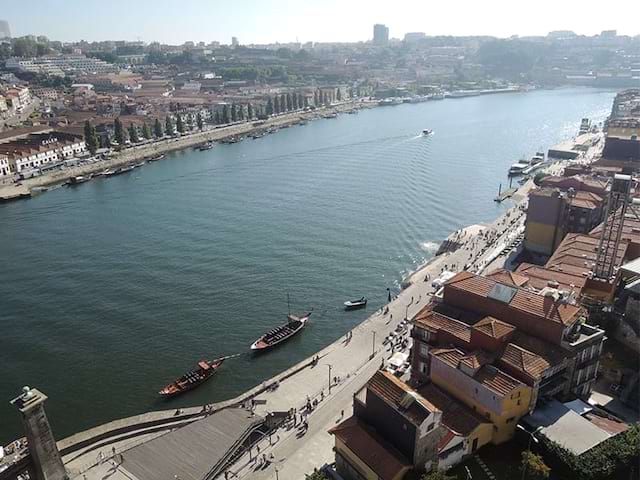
255,22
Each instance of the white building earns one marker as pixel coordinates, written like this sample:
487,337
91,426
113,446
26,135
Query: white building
60,65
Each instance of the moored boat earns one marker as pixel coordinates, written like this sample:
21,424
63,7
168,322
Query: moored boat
157,157
79,179
205,146
282,333
354,304
194,378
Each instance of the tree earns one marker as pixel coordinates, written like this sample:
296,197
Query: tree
133,133
240,112
157,129
90,137
283,103
316,475
190,122
168,127
276,104
294,101
537,179
118,131
316,98
306,102
179,123
225,114
533,466
234,113
249,111
216,118
325,98
146,131
437,475
289,102
338,95
269,108
199,121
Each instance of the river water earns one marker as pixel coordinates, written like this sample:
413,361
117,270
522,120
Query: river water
112,288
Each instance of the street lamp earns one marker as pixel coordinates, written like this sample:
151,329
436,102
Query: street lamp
373,344
532,436
329,365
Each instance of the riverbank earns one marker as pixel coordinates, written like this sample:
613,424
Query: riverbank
138,153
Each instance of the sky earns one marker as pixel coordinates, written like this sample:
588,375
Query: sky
270,21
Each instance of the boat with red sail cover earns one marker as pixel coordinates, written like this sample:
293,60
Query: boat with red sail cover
194,378
282,333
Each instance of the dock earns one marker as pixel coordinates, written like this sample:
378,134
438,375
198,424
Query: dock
12,192
571,149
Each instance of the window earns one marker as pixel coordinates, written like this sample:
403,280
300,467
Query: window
519,401
424,349
430,427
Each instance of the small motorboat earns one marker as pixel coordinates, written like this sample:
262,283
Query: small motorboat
79,179
205,146
427,132
355,304
282,333
157,157
194,378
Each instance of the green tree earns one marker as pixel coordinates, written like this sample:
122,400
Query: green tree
157,129
225,114
168,126
179,123
306,102
234,113
199,121
533,467
90,137
118,131
276,104
133,133
316,475
537,179
325,98
249,111
146,131
316,98
190,122
294,101
437,475
338,95
216,118
283,103
240,112
289,102
269,108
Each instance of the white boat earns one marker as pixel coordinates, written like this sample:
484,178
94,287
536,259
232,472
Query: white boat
427,132
353,304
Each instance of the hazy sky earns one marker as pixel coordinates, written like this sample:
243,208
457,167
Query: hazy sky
265,21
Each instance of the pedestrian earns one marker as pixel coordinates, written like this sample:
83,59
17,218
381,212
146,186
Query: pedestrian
113,451
391,317
101,457
258,449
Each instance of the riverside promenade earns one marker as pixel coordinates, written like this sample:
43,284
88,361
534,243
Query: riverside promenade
352,360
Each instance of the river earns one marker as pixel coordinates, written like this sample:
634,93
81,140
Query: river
112,288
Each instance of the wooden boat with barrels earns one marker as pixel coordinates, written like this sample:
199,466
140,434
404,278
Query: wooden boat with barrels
194,378
282,333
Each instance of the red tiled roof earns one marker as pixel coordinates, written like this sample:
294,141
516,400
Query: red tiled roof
578,250
455,415
392,390
450,356
378,454
544,308
493,327
523,360
539,278
448,436
510,278
496,380
435,321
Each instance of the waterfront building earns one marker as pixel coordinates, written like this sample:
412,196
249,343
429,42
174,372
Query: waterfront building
396,429
41,149
380,34
5,168
544,225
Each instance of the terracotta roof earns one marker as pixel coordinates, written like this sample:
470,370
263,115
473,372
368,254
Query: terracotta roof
475,360
539,278
510,278
551,353
448,436
496,380
630,229
378,454
525,361
578,250
493,327
392,390
544,308
455,415
450,356
434,321
587,200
